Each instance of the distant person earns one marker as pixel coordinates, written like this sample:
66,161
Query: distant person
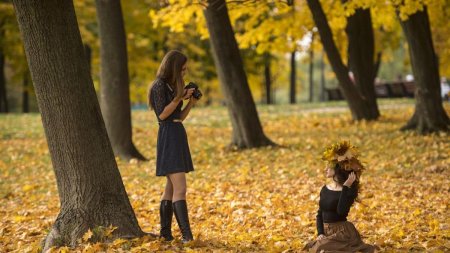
335,233
173,159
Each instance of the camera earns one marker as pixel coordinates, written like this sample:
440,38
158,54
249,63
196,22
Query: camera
197,94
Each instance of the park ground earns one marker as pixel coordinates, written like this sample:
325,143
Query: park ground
257,200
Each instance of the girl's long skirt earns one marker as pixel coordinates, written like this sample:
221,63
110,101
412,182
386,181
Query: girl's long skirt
340,237
172,149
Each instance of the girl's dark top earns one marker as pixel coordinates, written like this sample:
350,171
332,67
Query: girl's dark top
334,206
162,95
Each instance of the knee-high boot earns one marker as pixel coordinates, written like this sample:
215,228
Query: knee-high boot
166,213
181,214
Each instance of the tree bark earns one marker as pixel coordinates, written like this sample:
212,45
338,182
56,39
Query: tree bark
429,115
268,79
114,80
311,69
89,184
292,90
361,49
3,96
359,105
247,130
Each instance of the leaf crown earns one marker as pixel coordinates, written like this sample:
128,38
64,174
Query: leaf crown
344,154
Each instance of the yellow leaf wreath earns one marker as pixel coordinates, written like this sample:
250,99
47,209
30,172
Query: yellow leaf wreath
344,154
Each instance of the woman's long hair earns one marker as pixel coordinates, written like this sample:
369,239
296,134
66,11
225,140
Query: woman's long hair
341,175
170,72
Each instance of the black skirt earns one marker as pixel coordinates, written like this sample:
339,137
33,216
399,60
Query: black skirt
172,150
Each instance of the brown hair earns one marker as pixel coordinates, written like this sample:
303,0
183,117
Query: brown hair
170,72
341,175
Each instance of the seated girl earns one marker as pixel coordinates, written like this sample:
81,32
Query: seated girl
335,233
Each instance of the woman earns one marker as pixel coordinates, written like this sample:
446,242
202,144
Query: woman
173,158
335,233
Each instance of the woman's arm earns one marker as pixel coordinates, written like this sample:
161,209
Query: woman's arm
169,109
319,223
187,108
345,200
163,111
348,195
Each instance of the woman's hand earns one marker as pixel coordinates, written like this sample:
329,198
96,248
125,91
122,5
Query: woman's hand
188,93
321,237
193,100
351,178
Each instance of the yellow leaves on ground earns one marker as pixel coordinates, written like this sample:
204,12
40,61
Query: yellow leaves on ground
257,200
87,235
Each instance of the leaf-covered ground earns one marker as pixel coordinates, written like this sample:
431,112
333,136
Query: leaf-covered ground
258,200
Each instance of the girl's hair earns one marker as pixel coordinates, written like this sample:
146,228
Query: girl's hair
341,175
170,72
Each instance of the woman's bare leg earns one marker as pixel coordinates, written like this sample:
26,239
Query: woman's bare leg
178,181
168,191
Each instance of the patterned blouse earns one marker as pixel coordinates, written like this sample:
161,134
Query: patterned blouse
162,95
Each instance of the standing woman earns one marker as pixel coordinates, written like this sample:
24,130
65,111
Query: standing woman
173,160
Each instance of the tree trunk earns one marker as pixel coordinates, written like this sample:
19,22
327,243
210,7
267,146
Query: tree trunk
322,78
429,115
247,130
358,104
268,79
114,82
3,96
361,48
292,91
311,69
25,93
89,184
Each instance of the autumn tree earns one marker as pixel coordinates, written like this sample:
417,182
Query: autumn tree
360,95
247,130
114,86
429,115
89,183
5,18
361,56
268,78
292,79
3,95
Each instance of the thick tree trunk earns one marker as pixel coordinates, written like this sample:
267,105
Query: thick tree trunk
268,79
292,90
358,104
247,130
429,115
89,184
3,96
311,69
114,82
361,48
25,94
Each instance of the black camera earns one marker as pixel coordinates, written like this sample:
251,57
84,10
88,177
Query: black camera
197,94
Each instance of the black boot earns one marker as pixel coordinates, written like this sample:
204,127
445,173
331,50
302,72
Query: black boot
165,214
181,214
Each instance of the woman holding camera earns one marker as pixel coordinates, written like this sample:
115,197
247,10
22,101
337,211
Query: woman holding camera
166,95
